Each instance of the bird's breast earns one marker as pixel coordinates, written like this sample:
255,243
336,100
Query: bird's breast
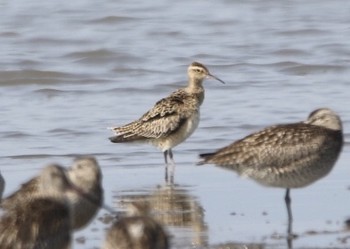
179,135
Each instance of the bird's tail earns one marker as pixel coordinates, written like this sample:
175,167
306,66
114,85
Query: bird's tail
205,158
124,138
126,133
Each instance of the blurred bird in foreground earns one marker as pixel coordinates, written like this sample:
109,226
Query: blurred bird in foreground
136,231
41,222
85,174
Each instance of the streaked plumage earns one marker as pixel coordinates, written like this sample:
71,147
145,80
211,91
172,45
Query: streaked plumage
43,222
28,191
86,175
288,155
172,120
137,231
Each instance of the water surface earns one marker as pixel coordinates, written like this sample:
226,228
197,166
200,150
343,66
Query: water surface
71,69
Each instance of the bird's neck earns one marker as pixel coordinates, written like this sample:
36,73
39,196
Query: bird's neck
195,87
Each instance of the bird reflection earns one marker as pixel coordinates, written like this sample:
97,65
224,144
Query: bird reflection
290,241
173,207
232,245
136,230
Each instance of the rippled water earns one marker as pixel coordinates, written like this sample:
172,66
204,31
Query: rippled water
71,69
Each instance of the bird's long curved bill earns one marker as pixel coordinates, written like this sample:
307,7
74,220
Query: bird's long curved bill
216,78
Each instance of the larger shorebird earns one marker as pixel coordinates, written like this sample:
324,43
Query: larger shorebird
172,119
287,155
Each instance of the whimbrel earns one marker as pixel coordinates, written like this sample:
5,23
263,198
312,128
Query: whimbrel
287,155
172,119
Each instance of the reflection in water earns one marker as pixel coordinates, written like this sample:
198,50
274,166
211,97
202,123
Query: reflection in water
238,246
136,231
174,207
290,237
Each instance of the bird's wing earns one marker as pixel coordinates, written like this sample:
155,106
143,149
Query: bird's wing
165,117
26,190
276,145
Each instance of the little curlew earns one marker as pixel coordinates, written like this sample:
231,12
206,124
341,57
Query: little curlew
172,119
41,222
287,155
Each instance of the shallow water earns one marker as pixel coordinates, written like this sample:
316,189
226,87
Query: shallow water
69,70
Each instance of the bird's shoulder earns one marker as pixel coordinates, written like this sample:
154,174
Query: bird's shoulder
26,190
177,103
277,145
286,135
285,138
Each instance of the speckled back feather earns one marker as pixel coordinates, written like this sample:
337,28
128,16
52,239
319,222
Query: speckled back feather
164,118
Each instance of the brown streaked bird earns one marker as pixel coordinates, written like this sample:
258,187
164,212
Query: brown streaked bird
86,176
43,222
287,155
28,191
136,231
172,119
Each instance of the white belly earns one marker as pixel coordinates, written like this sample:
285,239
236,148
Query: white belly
180,135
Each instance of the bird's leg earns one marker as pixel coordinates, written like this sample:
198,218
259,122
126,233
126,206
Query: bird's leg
289,210
172,166
166,164
290,235
169,166
171,156
290,242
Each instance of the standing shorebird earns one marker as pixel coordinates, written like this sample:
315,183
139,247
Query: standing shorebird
136,231
287,155
43,222
172,120
85,174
